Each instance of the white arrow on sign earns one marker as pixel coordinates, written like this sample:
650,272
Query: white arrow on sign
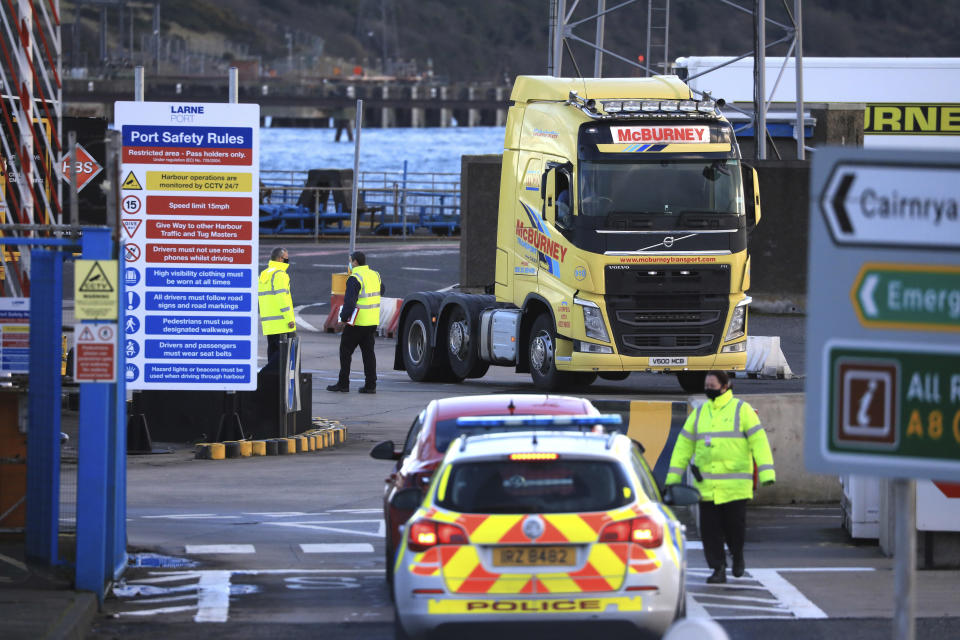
866,295
893,205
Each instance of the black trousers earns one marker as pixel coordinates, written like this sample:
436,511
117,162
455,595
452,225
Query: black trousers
273,349
350,339
726,522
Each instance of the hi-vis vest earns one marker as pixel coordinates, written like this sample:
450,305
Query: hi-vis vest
273,294
723,436
368,303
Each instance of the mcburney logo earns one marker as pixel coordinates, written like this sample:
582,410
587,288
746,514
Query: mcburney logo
661,133
541,242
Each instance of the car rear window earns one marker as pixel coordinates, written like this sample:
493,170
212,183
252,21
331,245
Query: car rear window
555,486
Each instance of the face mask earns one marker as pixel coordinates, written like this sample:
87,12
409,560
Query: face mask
713,394
286,261
349,267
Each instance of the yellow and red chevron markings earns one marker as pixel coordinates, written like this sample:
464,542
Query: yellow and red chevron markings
605,568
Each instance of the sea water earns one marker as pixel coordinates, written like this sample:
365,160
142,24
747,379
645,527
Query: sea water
427,150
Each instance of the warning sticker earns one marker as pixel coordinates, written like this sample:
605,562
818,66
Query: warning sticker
95,290
95,352
130,183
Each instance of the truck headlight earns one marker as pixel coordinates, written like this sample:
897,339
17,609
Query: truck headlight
593,320
738,323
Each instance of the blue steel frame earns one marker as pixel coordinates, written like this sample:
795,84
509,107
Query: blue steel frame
101,484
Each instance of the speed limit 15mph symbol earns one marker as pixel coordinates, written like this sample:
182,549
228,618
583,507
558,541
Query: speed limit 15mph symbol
131,205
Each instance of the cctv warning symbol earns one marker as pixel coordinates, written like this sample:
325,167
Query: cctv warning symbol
130,183
96,280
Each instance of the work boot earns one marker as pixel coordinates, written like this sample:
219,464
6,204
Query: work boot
338,387
738,565
719,576
366,389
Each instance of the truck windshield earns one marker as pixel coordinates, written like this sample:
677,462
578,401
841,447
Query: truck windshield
665,186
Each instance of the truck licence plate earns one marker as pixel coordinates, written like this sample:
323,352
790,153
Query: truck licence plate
533,556
668,362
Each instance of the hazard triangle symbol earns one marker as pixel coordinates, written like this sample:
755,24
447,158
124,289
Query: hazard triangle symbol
131,183
131,226
86,335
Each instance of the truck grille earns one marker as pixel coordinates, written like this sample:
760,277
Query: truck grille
652,318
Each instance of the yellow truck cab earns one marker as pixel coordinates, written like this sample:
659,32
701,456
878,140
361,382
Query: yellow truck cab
621,242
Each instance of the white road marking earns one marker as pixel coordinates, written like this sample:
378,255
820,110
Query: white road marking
345,547
163,599
355,510
694,544
419,269
193,516
13,561
329,266
214,549
694,608
324,525
722,596
153,612
787,593
214,590
297,318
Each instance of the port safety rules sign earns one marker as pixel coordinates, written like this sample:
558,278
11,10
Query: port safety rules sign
189,215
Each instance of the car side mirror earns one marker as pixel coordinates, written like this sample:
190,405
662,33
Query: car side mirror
680,495
407,499
384,451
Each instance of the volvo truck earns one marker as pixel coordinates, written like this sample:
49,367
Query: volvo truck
622,233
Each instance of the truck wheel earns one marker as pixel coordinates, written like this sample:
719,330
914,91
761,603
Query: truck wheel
462,353
417,350
692,381
614,375
543,369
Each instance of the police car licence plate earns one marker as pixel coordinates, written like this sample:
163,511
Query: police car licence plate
534,556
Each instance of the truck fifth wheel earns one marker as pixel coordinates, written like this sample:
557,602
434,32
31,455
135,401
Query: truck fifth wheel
621,243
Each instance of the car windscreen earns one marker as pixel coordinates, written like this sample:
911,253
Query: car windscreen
554,486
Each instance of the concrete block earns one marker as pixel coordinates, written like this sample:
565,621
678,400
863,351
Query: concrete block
782,416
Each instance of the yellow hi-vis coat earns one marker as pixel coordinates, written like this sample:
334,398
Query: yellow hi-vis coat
273,295
723,436
368,303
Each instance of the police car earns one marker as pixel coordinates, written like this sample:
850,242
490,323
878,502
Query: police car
541,526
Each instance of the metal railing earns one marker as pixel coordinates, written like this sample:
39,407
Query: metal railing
397,202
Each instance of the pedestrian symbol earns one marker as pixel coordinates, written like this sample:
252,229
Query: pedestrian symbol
131,183
132,324
95,280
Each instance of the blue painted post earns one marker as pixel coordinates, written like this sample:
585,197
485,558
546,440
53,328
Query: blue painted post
97,407
43,439
117,505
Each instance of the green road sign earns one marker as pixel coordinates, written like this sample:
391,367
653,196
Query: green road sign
907,296
896,403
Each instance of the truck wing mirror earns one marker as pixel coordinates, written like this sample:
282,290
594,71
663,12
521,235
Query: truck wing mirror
751,195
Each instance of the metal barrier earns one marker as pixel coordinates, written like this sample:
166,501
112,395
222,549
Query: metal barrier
100,512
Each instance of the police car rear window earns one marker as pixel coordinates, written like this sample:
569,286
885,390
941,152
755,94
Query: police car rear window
556,486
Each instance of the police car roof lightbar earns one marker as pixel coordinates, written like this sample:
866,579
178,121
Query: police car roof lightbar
540,422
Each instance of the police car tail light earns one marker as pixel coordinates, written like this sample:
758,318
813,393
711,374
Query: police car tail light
427,533
643,530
